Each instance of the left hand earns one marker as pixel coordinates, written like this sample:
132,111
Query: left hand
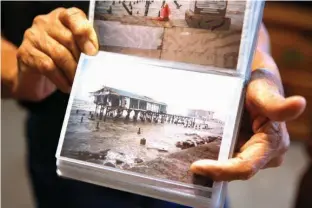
263,140
50,51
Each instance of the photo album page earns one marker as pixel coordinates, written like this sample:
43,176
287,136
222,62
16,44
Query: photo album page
159,94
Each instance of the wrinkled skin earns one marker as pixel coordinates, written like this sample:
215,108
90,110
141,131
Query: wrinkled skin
50,51
263,139
48,59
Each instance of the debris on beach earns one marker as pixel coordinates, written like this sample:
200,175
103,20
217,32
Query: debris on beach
97,125
138,160
86,155
196,140
143,141
175,166
158,149
118,162
109,164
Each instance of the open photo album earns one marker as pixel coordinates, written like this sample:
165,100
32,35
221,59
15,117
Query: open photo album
165,90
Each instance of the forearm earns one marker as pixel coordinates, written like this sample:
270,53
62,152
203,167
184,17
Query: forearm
24,85
9,70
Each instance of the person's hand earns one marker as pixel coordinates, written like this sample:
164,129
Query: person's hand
264,139
51,47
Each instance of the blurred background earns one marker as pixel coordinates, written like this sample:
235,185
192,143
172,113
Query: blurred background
290,28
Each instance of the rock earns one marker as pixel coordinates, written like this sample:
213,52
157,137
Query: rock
118,162
212,138
191,134
201,142
162,150
179,144
109,164
207,140
125,166
158,149
138,160
104,152
196,140
143,141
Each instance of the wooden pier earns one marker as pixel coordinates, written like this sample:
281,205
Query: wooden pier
118,104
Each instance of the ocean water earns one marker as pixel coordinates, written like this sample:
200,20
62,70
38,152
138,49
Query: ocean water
83,105
123,139
118,144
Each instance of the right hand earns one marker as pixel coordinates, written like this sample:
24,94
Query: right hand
51,47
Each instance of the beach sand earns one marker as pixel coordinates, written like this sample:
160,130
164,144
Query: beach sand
118,144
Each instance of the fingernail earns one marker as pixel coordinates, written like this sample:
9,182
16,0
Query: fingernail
89,48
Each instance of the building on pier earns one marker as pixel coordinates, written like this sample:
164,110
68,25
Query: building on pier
116,101
200,114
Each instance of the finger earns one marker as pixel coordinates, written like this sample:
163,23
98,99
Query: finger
65,37
57,31
243,166
264,94
258,122
82,29
32,60
61,57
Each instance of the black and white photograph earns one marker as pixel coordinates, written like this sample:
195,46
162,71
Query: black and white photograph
146,119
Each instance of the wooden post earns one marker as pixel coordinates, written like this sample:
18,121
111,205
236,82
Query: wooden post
101,112
135,117
97,125
106,111
96,106
128,114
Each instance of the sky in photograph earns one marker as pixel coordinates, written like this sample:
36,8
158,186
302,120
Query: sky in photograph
180,90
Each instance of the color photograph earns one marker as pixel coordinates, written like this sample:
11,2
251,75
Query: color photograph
146,119
197,32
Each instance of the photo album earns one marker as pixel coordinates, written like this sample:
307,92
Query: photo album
165,90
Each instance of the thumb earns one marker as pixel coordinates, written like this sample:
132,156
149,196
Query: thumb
265,96
257,152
